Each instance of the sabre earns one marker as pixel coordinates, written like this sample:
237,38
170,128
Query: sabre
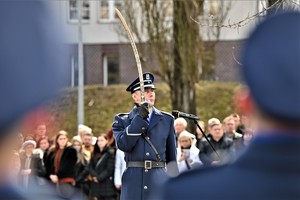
136,54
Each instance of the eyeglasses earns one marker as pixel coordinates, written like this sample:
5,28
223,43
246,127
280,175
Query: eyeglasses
184,140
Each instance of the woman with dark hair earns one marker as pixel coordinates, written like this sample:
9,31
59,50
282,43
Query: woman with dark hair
101,169
111,140
42,146
60,163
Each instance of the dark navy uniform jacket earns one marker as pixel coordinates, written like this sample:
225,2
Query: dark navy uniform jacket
136,181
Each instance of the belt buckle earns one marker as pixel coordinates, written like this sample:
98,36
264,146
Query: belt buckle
148,164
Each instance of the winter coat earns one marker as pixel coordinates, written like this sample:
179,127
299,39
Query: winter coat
193,155
137,182
103,169
67,163
224,147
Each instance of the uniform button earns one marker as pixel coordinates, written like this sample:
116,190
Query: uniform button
147,154
146,170
145,187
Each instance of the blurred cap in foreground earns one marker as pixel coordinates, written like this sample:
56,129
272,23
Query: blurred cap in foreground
32,62
271,66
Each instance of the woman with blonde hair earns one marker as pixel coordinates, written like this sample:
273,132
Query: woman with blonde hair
187,152
60,163
81,171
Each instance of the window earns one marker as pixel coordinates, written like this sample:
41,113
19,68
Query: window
111,69
74,71
106,10
73,10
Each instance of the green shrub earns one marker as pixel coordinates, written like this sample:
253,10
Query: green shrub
214,99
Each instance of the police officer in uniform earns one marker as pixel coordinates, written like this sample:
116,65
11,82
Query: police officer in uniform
147,137
269,167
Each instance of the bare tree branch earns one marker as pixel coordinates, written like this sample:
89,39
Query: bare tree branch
296,4
241,23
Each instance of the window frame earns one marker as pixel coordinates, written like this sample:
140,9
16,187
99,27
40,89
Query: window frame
83,9
111,11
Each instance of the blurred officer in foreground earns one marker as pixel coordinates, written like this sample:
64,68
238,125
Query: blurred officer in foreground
147,137
32,71
269,168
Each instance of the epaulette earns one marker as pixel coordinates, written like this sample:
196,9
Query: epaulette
122,114
166,113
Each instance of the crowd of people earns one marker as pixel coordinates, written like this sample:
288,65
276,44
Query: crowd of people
223,141
94,165
82,163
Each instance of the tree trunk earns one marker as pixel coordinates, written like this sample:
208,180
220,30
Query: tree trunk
186,48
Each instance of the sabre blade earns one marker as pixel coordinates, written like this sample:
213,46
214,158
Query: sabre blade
136,53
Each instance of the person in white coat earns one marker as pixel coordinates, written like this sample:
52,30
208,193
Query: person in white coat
187,152
120,166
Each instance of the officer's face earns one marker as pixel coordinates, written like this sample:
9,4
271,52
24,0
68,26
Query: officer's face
149,96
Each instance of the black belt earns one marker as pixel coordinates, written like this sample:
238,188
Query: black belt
147,164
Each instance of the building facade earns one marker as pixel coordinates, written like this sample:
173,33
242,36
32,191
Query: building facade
108,57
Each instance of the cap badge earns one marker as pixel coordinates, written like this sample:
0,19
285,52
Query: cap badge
147,77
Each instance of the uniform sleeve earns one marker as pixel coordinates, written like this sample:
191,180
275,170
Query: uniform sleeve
127,136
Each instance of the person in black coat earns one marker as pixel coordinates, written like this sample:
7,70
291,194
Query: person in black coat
101,169
60,162
222,144
32,168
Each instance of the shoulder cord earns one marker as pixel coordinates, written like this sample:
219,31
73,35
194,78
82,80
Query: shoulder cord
152,146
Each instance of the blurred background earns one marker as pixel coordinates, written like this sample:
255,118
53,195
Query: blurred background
192,47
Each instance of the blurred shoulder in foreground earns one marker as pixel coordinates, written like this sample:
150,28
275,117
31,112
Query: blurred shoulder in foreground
269,167
32,71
